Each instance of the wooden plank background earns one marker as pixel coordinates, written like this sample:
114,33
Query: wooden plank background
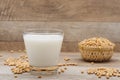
79,19
73,31
12,31
60,10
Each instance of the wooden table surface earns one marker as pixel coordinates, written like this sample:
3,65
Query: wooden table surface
72,72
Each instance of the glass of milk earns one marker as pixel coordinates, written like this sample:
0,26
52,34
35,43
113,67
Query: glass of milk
43,46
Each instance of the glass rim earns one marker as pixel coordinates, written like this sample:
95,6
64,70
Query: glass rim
44,31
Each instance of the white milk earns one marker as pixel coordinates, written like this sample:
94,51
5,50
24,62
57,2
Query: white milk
43,50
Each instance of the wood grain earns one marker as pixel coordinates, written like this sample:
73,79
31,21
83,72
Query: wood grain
60,10
73,31
67,46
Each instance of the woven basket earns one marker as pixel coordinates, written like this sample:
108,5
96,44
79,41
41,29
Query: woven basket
96,54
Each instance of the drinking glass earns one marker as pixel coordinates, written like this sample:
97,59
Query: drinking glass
43,47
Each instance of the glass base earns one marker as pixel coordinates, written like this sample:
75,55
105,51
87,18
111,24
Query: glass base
44,70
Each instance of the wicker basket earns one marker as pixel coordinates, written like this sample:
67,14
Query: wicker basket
96,49
96,54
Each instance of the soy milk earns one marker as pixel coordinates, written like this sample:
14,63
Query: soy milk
43,49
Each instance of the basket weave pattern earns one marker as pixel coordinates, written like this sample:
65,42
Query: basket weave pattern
96,55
